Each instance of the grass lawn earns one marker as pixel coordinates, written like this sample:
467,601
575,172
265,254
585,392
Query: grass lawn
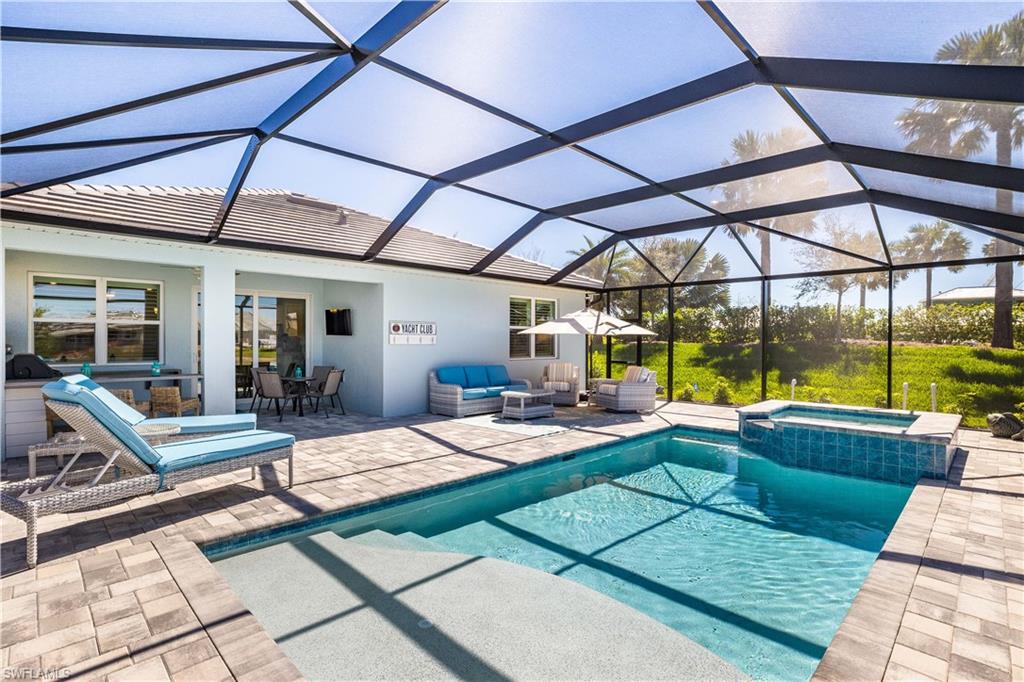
851,373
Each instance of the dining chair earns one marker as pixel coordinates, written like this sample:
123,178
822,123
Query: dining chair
257,389
274,389
330,388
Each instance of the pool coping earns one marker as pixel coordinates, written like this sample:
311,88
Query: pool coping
861,649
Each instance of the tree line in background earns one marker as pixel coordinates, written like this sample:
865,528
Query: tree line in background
956,129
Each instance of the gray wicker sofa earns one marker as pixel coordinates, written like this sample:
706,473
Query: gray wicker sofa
464,390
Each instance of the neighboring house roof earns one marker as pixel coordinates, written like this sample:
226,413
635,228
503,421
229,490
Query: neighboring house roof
269,219
972,294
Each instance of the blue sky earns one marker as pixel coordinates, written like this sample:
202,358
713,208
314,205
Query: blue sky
550,63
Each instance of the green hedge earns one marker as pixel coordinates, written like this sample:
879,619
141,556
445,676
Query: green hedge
940,324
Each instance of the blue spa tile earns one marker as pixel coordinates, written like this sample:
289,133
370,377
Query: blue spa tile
892,473
909,474
890,445
816,461
891,459
860,468
829,462
876,471
844,466
874,457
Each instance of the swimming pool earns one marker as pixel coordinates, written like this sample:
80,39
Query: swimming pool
755,561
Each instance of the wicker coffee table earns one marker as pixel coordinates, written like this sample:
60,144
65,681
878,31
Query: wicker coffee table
528,404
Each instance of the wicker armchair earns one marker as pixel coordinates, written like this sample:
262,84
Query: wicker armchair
635,393
564,379
167,399
127,396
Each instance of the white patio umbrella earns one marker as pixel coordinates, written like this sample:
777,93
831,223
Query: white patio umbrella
588,322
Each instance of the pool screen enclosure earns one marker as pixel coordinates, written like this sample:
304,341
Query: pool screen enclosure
547,142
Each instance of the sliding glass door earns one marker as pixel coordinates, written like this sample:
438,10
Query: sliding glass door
270,333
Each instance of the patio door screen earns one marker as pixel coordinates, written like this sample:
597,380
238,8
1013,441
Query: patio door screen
273,325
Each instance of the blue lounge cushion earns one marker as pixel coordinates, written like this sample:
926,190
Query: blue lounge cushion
476,375
79,393
452,375
209,423
192,453
120,408
516,387
495,390
474,393
497,375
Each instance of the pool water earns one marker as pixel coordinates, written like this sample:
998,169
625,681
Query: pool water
755,561
857,417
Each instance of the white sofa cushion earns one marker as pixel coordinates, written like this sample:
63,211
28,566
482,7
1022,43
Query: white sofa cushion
608,389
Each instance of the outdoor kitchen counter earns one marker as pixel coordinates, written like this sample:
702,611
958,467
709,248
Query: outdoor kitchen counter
25,417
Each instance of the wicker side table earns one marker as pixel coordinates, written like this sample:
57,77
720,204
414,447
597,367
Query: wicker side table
60,445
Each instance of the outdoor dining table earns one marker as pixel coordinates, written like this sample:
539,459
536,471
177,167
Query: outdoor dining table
301,386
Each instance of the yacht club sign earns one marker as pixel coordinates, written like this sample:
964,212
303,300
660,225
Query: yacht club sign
408,333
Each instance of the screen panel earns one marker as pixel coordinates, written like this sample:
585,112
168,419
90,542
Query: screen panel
457,227
411,125
643,213
46,82
721,257
707,135
33,167
553,179
917,238
550,62
953,129
629,268
239,105
877,31
343,205
805,182
552,246
851,228
946,191
267,20
352,19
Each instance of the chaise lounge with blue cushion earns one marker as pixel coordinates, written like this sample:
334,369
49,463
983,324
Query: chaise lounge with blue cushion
191,427
133,467
464,390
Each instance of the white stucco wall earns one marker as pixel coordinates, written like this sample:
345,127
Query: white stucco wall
471,312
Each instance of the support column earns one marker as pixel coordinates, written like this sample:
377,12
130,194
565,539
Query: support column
217,340
888,349
670,392
765,302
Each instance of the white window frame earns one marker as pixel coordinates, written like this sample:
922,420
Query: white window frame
533,321
255,293
100,322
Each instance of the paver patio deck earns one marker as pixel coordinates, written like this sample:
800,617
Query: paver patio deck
125,593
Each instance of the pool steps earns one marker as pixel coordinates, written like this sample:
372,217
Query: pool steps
407,541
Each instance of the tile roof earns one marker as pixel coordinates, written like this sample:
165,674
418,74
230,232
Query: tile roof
271,219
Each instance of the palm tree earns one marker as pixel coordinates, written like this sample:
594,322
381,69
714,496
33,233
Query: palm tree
842,236
926,243
963,129
612,263
771,188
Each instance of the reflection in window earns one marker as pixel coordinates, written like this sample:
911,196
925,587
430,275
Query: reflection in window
133,322
79,319
524,313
